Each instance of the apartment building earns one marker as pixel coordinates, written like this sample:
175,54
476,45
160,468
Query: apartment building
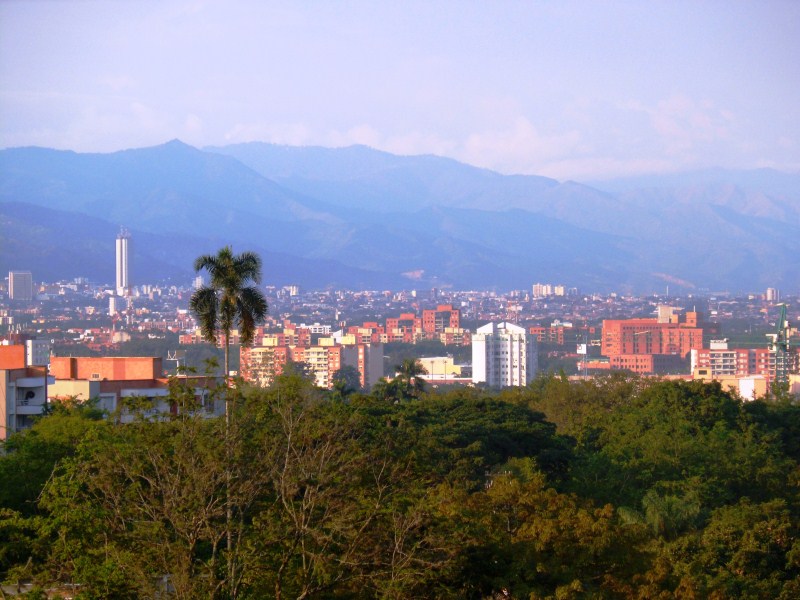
261,364
111,380
23,389
670,337
503,355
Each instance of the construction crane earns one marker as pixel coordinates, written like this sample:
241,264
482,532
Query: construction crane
780,344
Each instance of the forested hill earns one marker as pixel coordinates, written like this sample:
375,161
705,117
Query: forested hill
612,488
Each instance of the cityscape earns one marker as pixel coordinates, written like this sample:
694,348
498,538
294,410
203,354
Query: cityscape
395,301
79,329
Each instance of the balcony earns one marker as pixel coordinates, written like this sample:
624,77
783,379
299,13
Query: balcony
29,409
33,382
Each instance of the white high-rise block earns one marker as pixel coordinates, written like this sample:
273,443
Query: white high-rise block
123,258
503,355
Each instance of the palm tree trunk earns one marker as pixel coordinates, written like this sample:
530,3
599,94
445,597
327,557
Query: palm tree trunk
228,477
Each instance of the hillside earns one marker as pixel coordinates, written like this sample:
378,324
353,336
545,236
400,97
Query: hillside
355,216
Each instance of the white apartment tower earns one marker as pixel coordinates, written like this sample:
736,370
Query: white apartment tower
503,355
123,262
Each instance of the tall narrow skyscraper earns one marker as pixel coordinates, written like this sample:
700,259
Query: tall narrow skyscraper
123,274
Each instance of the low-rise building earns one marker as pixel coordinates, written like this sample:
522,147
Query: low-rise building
112,380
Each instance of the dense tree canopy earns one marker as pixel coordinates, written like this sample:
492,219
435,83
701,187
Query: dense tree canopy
617,487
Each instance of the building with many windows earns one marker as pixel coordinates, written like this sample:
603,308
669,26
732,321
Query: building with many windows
261,364
503,355
20,286
23,389
123,286
114,381
655,345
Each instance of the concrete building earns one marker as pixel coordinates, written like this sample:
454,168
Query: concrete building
747,387
20,286
366,358
669,338
23,390
406,328
261,364
718,361
111,380
37,353
503,355
435,321
123,286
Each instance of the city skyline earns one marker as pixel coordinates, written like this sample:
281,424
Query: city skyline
572,90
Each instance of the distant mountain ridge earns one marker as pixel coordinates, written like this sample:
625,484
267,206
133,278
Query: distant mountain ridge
357,217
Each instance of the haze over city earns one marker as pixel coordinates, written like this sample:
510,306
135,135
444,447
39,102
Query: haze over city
570,90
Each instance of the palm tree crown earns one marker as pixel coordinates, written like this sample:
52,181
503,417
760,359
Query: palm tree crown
408,377
229,300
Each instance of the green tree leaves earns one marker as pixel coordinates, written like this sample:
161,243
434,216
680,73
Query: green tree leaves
660,489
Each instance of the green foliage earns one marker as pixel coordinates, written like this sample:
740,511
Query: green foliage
346,381
617,487
27,458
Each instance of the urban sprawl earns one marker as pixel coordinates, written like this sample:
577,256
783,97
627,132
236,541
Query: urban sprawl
68,339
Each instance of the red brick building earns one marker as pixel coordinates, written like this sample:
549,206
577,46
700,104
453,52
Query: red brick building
670,335
405,328
435,321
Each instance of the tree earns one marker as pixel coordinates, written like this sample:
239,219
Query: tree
229,300
346,381
409,376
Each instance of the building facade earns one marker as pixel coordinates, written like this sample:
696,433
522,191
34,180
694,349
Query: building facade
23,390
503,355
261,364
20,286
123,282
114,380
668,339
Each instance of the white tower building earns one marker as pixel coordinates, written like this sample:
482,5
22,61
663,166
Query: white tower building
503,355
123,257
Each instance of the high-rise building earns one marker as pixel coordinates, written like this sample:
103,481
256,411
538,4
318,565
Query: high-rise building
503,355
20,286
123,263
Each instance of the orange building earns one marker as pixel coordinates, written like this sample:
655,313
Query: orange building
651,336
23,390
668,335
111,379
119,368
261,364
444,316
405,328
561,334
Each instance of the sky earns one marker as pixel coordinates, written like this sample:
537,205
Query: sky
583,90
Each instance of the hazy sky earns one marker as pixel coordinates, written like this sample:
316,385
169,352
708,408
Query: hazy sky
580,90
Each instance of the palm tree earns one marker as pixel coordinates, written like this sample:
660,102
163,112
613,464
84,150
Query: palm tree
408,375
229,300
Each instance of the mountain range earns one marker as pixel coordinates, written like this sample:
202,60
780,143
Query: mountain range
359,218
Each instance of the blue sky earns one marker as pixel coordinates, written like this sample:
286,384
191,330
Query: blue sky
574,90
